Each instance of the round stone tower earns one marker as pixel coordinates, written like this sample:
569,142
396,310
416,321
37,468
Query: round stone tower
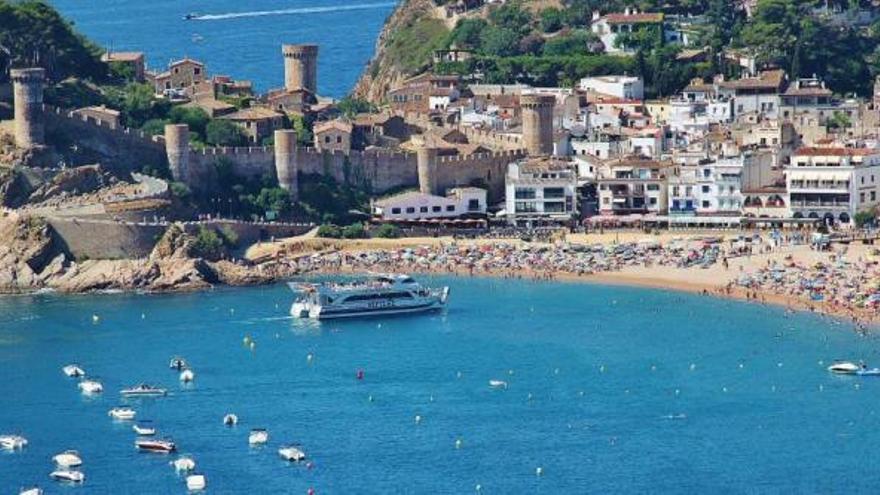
285,161
27,88
300,67
537,123
177,151
426,158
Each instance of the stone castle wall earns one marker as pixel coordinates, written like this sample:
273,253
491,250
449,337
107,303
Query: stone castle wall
457,171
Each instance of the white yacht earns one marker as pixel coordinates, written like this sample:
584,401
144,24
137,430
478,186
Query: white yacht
258,436
122,413
91,387
13,442
155,445
385,294
68,459
291,453
73,371
69,475
844,368
143,390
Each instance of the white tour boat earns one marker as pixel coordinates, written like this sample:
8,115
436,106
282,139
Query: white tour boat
68,459
155,445
73,371
123,413
12,442
143,390
196,482
144,428
292,453
376,295
91,387
69,475
258,436
844,368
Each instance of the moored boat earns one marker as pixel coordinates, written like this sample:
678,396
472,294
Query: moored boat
184,463
177,363
73,371
69,475
91,386
123,413
143,390
164,446
230,419
13,442
497,384
844,368
34,490
258,436
144,428
292,453
187,376
385,294
68,458
196,482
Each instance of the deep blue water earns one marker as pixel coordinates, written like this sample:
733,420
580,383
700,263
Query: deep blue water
605,367
241,38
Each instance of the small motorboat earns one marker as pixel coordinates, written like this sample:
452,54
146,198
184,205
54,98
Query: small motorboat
91,387
73,371
497,384
69,475
196,482
155,445
191,16
184,463
844,368
177,363
144,428
122,413
187,376
13,442
292,453
258,436
34,490
230,420
143,390
68,459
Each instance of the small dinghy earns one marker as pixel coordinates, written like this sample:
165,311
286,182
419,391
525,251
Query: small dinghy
165,446
89,387
68,475
13,442
68,459
497,384
258,436
292,453
844,368
73,371
196,482
144,428
177,363
122,413
184,463
230,420
187,376
143,390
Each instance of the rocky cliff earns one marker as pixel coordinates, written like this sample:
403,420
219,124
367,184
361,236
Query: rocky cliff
403,49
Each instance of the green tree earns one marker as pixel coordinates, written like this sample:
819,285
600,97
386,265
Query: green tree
351,106
387,231
467,33
155,127
354,231
195,118
864,218
551,20
499,41
207,244
219,132
329,231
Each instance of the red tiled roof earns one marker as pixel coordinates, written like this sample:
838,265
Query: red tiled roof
816,151
641,18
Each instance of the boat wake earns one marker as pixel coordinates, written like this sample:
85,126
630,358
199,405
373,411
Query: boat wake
302,10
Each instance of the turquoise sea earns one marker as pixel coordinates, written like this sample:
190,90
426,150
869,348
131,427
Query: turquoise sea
240,38
610,390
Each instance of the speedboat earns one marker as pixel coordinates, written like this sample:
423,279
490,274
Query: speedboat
844,368
12,442
73,371
191,16
196,482
230,419
187,376
385,294
91,387
155,445
143,390
69,475
123,413
144,428
34,490
177,363
497,384
68,459
291,453
258,436
184,463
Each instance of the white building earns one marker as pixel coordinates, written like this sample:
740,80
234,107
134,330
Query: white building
833,183
415,205
609,26
633,185
541,191
755,95
624,87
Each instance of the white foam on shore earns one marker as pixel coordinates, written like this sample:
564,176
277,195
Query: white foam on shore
302,10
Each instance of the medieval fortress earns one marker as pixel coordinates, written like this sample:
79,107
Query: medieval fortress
375,169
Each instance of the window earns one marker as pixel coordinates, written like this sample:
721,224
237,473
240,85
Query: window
554,192
524,193
395,211
473,205
873,195
338,139
707,173
705,204
652,201
861,197
450,208
423,209
326,139
705,189
526,207
653,187
197,71
436,209
410,209
554,207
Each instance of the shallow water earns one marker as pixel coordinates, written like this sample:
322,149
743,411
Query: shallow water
632,390
241,39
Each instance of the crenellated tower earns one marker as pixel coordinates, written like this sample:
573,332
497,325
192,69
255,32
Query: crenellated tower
300,67
537,123
27,88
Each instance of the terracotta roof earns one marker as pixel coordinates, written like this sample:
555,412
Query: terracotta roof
253,113
816,151
186,60
122,56
641,18
809,91
335,124
771,79
410,196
